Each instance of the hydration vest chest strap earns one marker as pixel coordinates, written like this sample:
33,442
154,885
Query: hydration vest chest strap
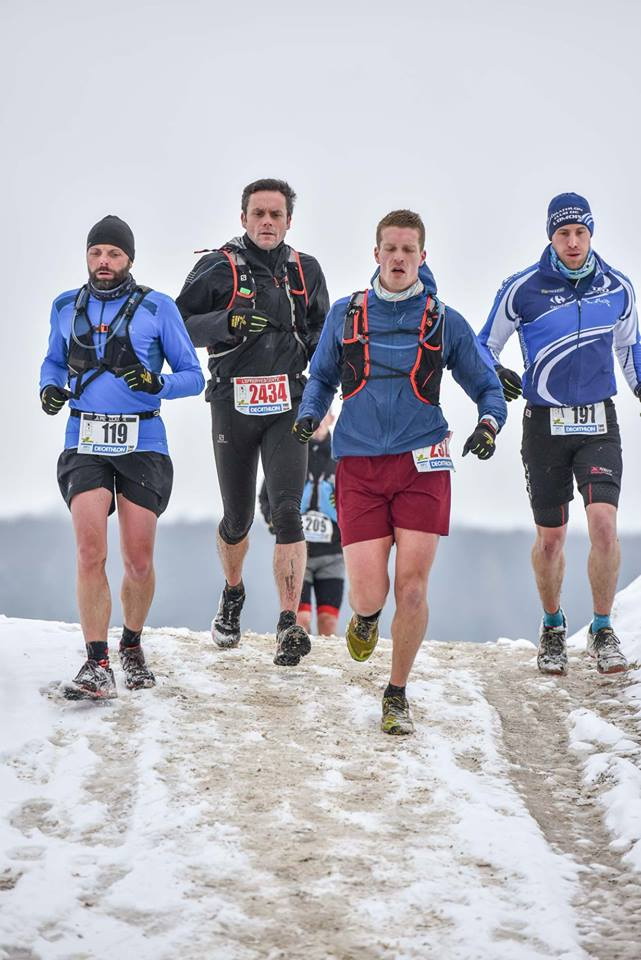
426,372
118,350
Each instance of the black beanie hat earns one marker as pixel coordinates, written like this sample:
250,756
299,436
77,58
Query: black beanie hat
115,231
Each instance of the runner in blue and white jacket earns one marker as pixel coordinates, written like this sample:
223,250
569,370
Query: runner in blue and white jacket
572,312
108,342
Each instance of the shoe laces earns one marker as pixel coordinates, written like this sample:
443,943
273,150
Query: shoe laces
552,641
230,608
363,629
396,704
605,638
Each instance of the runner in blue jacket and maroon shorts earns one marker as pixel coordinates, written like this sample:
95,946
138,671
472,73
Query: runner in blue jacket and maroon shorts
386,348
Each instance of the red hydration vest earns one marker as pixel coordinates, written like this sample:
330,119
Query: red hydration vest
427,370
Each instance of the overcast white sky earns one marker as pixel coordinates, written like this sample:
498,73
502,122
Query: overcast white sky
474,114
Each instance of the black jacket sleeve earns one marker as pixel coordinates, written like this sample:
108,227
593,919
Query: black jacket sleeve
318,305
203,302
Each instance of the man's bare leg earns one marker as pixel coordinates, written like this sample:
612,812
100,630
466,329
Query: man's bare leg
548,562
604,559
290,560
137,538
89,512
366,564
327,623
232,556
415,553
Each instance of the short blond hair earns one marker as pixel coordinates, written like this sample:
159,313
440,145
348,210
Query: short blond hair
402,218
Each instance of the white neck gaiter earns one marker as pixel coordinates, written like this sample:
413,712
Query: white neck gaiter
384,294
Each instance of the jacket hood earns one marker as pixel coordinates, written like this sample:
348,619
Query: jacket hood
424,274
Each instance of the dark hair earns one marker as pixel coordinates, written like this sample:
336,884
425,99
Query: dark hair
402,218
279,186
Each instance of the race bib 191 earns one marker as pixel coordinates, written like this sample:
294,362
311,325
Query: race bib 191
589,418
436,457
106,434
317,527
261,396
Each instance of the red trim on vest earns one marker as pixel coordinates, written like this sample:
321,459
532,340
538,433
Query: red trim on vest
360,330
303,292
234,274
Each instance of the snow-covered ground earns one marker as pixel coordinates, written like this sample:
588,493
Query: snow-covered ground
242,811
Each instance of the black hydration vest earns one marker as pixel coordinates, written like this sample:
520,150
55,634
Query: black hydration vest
119,352
427,370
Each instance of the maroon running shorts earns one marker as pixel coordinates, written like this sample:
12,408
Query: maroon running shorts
376,494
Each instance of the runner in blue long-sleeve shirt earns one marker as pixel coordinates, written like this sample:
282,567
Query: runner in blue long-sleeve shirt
107,345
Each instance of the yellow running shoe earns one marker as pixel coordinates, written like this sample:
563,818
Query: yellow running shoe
396,716
361,637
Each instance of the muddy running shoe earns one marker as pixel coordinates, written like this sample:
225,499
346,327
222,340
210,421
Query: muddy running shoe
361,637
396,716
225,627
552,657
94,681
137,673
605,647
292,642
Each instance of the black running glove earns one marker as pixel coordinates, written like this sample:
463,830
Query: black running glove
139,378
511,383
303,429
53,399
481,442
245,322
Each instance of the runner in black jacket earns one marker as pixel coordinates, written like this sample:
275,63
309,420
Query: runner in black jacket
258,306
325,570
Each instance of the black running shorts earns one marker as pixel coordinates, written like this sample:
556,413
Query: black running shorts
552,463
144,478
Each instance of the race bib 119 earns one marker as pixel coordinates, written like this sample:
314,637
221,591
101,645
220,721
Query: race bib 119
106,434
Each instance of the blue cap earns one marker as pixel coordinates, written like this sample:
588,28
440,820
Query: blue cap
569,208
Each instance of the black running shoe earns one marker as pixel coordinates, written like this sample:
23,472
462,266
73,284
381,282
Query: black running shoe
94,681
225,627
292,643
137,674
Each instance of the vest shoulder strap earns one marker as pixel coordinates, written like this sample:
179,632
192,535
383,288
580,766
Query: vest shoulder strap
355,325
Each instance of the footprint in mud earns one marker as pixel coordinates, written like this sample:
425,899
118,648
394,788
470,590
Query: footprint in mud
9,878
26,853
36,815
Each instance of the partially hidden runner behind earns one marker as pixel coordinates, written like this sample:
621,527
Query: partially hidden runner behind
258,306
387,348
570,310
325,571
108,341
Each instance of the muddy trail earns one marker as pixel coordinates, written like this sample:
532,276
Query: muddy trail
245,811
